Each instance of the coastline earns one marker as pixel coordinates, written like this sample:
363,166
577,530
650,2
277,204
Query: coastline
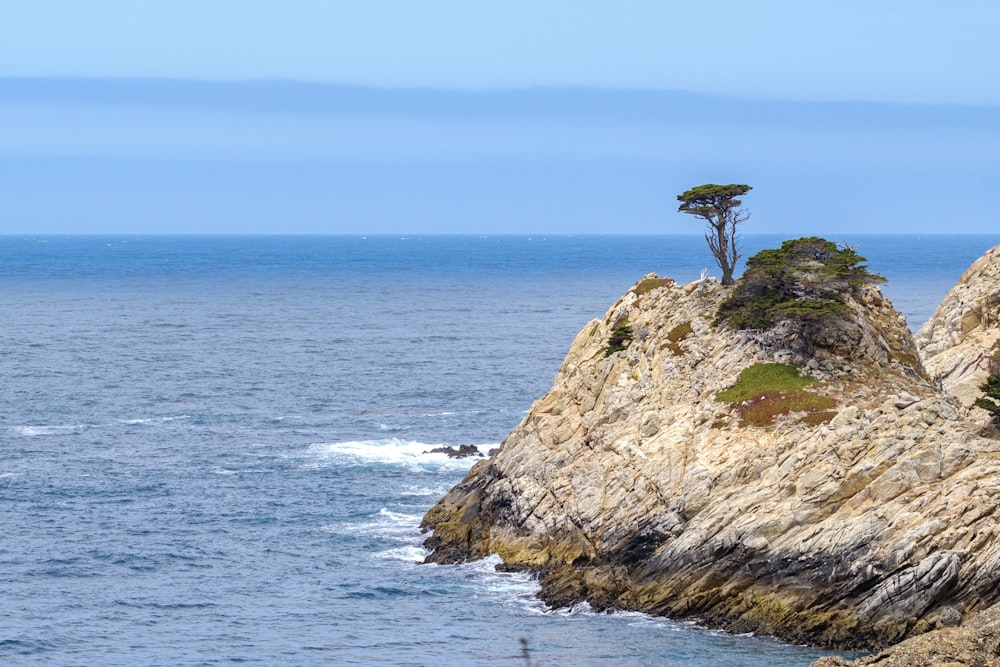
622,487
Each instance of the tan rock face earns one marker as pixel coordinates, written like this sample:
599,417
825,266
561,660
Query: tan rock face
960,340
630,486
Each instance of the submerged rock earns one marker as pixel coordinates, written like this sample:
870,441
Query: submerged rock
855,512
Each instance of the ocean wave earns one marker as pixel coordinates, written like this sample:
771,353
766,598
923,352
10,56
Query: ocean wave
153,420
425,491
391,451
410,553
35,430
49,429
387,428
385,524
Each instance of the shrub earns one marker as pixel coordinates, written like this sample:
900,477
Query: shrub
988,402
620,338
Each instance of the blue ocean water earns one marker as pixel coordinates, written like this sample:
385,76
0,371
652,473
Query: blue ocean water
214,448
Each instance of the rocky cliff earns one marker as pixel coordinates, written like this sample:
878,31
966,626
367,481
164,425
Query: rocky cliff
852,508
960,344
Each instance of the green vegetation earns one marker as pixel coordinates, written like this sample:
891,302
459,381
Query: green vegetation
620,338
804,280
676,335
764,377
989,402
680,332
762,410
719,206
764,391
650,284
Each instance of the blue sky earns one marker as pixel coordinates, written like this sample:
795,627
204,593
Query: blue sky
525,117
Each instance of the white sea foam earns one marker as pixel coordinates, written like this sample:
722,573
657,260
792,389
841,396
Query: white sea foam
282,418
386,524
410,553
425,491
508,589
393,451
153,420
37,430
387,428
33,430
399,517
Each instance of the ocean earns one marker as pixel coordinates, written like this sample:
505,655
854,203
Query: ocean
216,449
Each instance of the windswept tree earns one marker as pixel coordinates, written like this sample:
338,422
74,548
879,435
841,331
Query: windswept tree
719,205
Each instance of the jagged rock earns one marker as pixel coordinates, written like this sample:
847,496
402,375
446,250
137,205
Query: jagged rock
630,486
460,452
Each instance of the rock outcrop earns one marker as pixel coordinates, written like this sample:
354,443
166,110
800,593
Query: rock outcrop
960,344
975,643
861,511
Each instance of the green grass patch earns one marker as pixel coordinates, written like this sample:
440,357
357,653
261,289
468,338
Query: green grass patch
760,378
766,391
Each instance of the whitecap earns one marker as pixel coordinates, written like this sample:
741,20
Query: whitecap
387,428
37,430
153,420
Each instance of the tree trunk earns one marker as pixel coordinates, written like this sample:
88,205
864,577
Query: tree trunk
723,255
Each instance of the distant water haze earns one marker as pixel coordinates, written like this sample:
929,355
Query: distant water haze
164,156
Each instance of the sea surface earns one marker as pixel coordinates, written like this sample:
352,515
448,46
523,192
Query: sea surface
215,449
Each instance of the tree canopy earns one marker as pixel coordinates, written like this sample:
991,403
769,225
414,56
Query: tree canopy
805,279
719,206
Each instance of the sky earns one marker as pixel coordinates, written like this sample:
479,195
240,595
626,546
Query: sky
543,116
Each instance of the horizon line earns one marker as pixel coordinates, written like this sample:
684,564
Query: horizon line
480,91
